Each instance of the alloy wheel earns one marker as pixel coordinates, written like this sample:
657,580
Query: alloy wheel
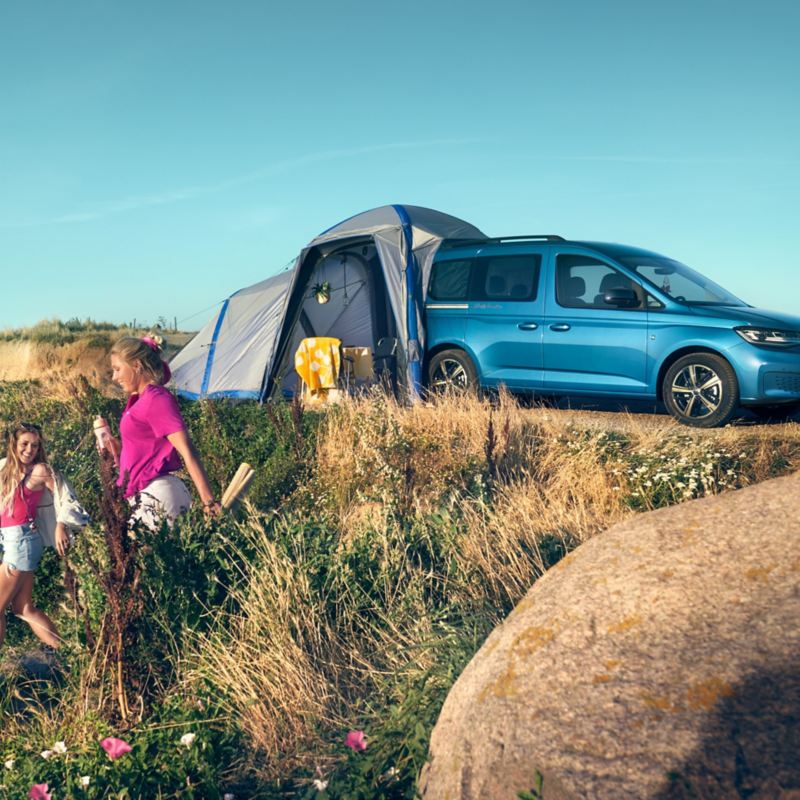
449,374
697,391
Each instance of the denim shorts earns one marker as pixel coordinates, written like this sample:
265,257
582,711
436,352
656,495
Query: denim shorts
22,547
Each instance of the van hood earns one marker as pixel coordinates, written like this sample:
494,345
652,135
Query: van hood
742,315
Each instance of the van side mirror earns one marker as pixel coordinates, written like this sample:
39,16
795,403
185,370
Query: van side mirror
621,298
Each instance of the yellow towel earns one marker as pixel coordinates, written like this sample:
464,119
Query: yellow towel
317,362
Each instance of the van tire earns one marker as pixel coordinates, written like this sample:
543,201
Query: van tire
452,371
701,390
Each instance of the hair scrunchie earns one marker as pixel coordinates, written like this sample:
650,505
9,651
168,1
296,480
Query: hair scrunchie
156,343
152,342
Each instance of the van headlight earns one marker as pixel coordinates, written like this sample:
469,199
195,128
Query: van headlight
769,336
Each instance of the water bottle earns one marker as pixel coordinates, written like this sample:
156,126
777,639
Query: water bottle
103,435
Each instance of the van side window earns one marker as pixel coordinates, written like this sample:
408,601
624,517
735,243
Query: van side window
582,282
450,280
507,278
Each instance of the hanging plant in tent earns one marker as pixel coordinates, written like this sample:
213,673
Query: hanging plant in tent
322,292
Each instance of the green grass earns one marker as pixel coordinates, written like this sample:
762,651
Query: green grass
378,548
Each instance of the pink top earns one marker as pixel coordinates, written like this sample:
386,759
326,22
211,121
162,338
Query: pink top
146,452
24,512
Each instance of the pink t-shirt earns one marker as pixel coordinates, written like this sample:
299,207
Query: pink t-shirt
146,452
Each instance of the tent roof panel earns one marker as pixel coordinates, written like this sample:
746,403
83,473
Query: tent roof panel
435,223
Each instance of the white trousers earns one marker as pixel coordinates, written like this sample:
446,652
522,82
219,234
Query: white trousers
162,499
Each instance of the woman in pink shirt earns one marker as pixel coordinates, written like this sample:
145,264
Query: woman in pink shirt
154,440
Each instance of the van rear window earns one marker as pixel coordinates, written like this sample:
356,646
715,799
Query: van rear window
508,278
450,280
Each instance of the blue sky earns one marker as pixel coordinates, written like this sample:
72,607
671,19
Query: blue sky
155,157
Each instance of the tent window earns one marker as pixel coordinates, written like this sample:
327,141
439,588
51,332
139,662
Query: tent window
450,280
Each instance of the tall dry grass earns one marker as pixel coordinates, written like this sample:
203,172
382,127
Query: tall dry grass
432,515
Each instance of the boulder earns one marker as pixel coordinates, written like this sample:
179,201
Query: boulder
658,660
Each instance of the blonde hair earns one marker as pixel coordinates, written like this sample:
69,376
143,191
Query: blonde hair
146,352
12,473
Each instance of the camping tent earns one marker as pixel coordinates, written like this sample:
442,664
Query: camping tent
377,266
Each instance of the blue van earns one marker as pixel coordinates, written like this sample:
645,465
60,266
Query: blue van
549,316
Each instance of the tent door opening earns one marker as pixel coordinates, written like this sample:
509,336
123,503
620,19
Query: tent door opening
355,308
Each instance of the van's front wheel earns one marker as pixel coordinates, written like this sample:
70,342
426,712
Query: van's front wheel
452,371
701,390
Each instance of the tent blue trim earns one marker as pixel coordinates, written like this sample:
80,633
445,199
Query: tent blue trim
233,394
415,368
211,348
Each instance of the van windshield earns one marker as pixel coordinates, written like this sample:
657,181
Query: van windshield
679,282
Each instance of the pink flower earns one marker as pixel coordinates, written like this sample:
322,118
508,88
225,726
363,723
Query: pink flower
115,747
39,792
356,741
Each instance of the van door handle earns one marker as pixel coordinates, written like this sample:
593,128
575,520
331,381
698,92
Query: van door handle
560,326
528,326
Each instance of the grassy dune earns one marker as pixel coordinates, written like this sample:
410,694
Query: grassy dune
379,546
57,353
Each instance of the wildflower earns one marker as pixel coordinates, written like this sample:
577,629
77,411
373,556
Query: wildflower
228,796
187,739
320,785
85,781
60,748
46,754
39,791
356,741
115,747
10,763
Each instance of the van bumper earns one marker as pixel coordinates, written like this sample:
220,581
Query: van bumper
766,375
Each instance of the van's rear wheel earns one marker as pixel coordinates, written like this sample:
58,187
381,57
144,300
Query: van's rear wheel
700,389
452,371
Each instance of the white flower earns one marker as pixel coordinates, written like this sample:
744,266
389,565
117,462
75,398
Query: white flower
60,748
10,763
85,780
187,739
320,785
46,754
228,796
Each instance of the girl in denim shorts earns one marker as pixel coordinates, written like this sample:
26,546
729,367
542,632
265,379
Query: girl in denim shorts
25,479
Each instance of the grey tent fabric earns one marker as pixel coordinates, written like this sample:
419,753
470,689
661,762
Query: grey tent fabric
248,349
228,356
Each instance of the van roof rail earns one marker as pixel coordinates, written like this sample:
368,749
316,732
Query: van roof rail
548,237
